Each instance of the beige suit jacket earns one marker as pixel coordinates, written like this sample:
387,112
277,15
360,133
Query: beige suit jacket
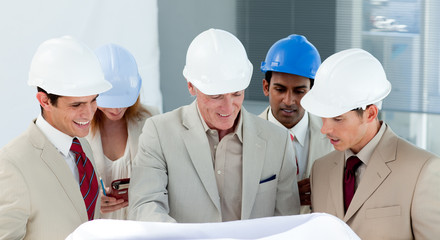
397,198
40,197
319,146
173,177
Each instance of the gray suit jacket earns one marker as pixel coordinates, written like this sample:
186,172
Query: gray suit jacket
173,177
397,198
40,197
319,146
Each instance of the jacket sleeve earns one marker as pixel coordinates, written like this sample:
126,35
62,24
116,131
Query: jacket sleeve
148,193
14,201
287,202
425,210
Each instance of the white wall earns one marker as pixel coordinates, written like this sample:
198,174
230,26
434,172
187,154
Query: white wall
25,24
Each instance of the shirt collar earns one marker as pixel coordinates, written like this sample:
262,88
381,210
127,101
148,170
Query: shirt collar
59,139
365,153
238,129
299,130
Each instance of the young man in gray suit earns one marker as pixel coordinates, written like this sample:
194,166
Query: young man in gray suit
211,161
290,67
379,184
49,186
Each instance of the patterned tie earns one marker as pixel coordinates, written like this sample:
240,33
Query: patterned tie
297,168
87,178
352,165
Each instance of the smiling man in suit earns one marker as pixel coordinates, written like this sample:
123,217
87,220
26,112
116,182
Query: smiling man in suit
212,161
379,184
49,187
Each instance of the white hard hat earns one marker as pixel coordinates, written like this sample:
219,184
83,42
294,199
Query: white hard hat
217,63
345,81
66,67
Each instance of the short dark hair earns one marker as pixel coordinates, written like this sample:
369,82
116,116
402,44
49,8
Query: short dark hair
360,111
52,97
268,76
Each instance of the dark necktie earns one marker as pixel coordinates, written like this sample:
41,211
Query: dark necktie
351,166
87,178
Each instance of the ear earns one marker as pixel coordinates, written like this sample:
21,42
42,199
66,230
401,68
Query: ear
44,101
265,87
371,112
191,89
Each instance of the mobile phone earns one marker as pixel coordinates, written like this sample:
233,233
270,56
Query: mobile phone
120,188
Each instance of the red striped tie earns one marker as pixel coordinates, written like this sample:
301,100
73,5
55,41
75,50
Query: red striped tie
87,178
296,158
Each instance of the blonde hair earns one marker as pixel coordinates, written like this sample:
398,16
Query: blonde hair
133,113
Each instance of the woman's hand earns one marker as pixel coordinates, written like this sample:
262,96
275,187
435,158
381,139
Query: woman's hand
111,204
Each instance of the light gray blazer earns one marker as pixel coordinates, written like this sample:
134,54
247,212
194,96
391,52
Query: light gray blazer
173,177
397,198
319,143
40,198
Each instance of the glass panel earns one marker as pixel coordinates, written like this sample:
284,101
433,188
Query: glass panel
391,32
404,35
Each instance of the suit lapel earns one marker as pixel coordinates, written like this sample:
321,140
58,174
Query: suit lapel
336,184
254,150
198,149
134,130
375,173
56,163
265,114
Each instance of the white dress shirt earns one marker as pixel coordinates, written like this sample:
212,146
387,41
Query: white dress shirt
301,142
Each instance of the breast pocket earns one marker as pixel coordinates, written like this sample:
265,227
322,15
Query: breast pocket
383,212
265,200
267,183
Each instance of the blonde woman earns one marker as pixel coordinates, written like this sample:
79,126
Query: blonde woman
117,125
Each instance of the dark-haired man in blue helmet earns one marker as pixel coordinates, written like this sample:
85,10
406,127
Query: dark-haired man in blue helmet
290,67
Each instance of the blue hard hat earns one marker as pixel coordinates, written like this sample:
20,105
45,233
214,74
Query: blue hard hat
294,55
121,70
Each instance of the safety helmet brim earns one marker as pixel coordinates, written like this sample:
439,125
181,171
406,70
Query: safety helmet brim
74,90
106,101
315,105
228,85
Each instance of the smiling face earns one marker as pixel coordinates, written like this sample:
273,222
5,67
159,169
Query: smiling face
113,114
70,115
219,111
285,92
